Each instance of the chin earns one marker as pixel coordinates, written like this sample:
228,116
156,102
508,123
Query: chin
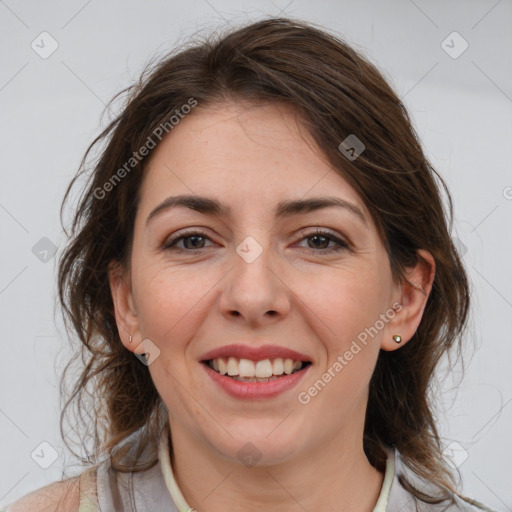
259,443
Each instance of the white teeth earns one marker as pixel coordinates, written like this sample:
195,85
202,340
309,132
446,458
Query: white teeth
249,370
232,366
277,366
263,369
222,366
246,368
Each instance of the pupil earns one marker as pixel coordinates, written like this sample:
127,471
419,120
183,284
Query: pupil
194,237
316,237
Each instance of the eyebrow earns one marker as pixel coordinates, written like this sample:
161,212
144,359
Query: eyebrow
210,206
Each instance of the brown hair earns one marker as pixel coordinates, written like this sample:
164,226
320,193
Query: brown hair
336,92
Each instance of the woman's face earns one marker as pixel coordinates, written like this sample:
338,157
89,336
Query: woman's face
256,277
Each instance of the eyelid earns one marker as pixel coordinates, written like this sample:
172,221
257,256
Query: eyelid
175,237
342,240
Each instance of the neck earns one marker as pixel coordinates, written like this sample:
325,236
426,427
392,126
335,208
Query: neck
334,475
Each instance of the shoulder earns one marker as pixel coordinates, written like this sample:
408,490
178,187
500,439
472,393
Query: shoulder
471,505
61,496
405,481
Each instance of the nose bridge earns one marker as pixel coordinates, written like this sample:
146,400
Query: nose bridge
253,286
253,266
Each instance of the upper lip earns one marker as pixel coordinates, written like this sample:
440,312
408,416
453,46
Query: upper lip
254,353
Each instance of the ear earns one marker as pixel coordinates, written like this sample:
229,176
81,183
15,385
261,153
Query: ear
124,305
412,295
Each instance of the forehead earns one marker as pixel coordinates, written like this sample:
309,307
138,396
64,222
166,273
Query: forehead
246,155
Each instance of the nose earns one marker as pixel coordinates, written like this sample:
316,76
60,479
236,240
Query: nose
254,290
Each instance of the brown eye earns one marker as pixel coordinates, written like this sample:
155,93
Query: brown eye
193,240
320,241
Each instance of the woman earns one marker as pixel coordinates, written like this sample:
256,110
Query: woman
261,274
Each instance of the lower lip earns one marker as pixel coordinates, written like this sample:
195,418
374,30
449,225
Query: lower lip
255,390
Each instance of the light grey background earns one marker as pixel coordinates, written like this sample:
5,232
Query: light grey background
50,112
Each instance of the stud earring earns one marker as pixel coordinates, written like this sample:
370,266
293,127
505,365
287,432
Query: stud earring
130,340
397,338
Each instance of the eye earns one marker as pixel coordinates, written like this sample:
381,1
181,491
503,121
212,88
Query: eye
320,238
192,241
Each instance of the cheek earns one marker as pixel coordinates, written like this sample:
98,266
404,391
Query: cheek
171,309
349,321
347,302
170,301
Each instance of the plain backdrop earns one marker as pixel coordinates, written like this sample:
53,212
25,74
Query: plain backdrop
451,63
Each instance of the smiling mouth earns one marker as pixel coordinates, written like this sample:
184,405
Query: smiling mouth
245,370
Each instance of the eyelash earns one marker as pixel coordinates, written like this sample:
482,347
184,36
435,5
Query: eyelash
170,244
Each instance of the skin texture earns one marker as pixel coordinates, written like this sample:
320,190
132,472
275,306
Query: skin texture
295,294
56,497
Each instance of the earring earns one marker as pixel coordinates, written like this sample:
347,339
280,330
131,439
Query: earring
397,338
130,340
